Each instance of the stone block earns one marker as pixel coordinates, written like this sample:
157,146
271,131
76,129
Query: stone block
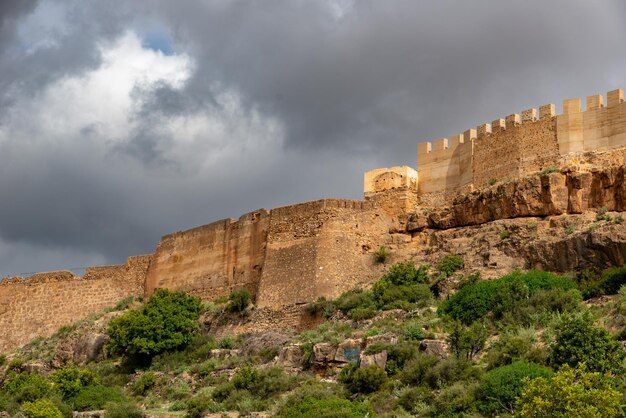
529,115
512,120
498,125
595,102
547,111
615,97
438,348
571,106
378,359
348,350
484,130
324,352
469,135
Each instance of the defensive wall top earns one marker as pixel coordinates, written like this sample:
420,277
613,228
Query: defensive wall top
510,147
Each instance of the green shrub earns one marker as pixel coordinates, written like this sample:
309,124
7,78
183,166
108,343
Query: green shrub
69,381
3,360
26,387
475,301
238,300
505,234
569,230
325,408
578,340
122,410
354,299
199,405
95,397
366,379
166,322
492,181
382,254
550,169
570,392
512,346
455,400
415,371
360,314
144,384
407,297
619,219
406,273
447,371
41,408
501,386
450,264
413,331
602,215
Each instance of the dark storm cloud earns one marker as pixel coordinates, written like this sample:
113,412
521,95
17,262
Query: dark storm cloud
396,71
324,91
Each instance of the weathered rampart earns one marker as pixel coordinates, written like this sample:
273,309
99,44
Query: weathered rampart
40,304
209,261
518,145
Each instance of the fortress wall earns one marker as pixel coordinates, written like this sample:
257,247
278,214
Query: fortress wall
598,127
320,248
443,165
212,260
382,179
515,146
39,305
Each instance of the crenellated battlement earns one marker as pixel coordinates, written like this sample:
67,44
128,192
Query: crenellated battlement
519,144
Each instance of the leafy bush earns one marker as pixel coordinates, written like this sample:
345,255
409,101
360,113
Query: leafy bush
449,264
144,384
475,301
578,340
397,354
356,299
365,380
505,234
69,381
41,408
570,392
122,410
199,405
406,273
360,314
390,296
166,322
95,397
512,346
501,386
26,387
382,254
238,300
325,408
607,284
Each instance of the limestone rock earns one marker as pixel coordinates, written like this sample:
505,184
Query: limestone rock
387,338
324,352
348,350
438,348
223,353
291,356
378,359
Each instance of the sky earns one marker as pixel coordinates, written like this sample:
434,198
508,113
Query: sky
124,120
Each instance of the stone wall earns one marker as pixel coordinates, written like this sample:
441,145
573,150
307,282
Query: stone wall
517,145
320,248
40,304
211,260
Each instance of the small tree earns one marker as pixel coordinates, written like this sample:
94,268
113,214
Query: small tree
449,264
41,408
166,322
578,340
570,392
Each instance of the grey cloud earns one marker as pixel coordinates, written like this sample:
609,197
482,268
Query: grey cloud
352,92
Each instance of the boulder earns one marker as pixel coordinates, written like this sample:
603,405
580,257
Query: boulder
324,352
438,348
378,359
291,356
348,350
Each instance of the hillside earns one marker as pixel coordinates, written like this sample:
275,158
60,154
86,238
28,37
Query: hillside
401,348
